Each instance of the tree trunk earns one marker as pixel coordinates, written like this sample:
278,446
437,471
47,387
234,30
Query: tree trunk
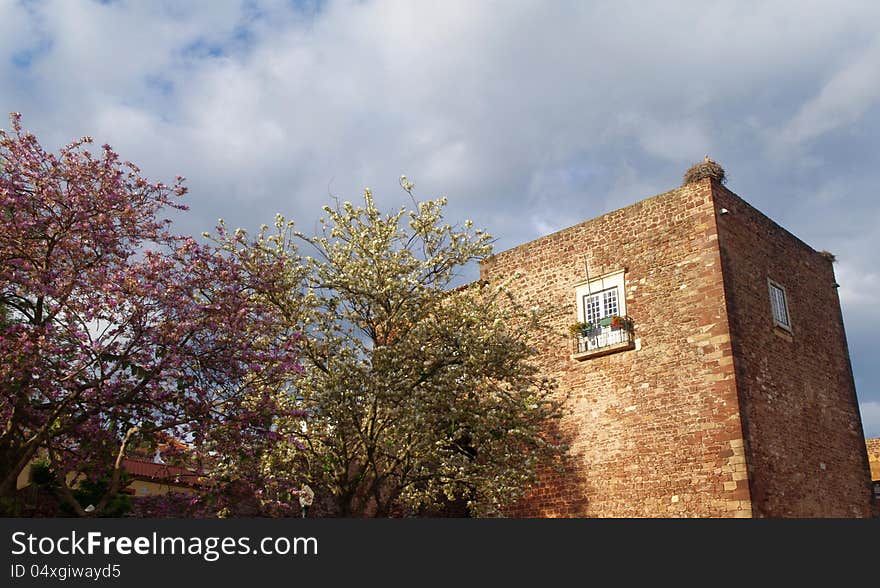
12,463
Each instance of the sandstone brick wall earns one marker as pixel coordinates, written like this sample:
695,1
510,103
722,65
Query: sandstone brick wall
873,446
653,431
803,436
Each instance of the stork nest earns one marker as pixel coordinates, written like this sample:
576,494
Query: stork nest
705,169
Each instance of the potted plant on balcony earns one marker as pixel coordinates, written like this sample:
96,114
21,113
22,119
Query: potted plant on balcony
580,329
615,322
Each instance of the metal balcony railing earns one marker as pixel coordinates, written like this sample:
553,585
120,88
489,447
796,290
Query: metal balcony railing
618,335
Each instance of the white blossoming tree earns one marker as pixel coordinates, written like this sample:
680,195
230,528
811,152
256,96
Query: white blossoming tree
417,395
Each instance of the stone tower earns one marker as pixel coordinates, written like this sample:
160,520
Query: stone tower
710,374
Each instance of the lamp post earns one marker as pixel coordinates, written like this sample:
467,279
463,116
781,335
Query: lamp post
306,497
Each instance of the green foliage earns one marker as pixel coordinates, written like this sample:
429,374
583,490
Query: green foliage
579,328
86,490
91,491
10,506
41,473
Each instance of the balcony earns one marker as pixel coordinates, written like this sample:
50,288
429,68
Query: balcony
617,335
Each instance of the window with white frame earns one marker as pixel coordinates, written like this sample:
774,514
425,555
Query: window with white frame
601,305
779,306
601,297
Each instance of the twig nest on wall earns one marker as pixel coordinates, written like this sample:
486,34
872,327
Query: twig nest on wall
705,169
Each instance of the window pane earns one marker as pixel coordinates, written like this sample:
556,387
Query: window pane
600,305
597,308
779,305
609,300
783,308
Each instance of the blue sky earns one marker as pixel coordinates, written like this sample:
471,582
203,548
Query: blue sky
529,116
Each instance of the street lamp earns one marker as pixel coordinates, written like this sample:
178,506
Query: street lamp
306,498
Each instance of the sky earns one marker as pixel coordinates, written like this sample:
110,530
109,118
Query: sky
528,116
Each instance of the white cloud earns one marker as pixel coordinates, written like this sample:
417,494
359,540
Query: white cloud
529,116
860,287
843,99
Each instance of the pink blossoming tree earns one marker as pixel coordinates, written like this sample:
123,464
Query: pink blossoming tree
112,328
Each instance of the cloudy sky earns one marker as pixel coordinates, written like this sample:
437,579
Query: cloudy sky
529,116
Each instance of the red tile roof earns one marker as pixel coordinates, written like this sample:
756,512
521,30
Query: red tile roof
141,468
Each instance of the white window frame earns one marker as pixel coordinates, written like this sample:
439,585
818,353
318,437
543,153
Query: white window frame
601,297
598,285
777,312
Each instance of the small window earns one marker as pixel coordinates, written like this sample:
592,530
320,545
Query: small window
779,306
